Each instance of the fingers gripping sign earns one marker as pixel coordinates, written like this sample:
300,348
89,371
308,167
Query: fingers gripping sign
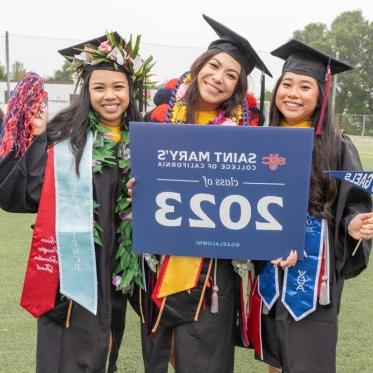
130,184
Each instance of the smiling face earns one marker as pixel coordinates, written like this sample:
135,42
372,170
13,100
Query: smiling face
109,95
217,81
296,97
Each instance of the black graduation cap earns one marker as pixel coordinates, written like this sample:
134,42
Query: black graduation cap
76,49
304,60
236,46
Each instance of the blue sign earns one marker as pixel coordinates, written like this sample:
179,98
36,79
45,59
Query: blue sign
360,179
219,191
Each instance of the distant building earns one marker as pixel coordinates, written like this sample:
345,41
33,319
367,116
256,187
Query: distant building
59,94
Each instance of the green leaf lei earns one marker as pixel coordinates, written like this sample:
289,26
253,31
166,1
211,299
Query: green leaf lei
107,153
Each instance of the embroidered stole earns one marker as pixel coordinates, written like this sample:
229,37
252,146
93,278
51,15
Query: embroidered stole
74,225
64,226
41,278
301,282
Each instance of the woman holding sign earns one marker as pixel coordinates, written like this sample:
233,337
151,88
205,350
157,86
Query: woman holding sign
189,306
299,318
73,171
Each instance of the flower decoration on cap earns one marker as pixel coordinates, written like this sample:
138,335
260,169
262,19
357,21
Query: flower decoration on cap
112,51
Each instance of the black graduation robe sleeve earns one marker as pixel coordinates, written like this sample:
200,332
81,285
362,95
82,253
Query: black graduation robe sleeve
21,178
351,201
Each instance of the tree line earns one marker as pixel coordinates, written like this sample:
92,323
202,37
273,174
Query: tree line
350,37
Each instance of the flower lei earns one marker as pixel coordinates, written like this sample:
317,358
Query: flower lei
175,111
177,108
107,153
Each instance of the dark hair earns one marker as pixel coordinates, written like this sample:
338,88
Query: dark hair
72,123
192,95
326,148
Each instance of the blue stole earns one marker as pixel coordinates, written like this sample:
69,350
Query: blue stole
300,286
268,286
74,225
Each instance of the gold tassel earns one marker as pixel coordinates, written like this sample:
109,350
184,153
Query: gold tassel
203,291
69,310
155,327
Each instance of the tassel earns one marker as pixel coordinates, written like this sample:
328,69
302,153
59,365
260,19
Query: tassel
140,306
324,299
143,272
262,98
250,279
214,296
68,317
265,310
214,300
246,292
324,296
203,291
325,100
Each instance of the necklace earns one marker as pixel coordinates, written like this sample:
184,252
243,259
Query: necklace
177,108
107,153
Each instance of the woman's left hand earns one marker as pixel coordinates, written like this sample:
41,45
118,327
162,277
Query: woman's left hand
361,226
290,261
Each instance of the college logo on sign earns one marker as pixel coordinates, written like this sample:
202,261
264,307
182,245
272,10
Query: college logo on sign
273,161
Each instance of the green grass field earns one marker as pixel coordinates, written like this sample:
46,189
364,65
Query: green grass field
17,328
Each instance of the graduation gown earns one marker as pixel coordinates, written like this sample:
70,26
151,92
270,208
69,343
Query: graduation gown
202,346
205,345
309,345
91,343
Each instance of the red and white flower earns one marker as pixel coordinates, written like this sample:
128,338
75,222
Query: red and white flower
104,46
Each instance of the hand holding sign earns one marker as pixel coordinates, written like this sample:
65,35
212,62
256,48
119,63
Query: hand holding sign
129,185
290,261
220,192
361,226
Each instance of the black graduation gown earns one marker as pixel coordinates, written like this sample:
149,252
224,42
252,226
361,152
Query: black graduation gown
309,345
203,346
84,346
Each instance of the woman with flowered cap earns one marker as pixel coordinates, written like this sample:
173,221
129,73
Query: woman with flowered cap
195,323
73,171
295,328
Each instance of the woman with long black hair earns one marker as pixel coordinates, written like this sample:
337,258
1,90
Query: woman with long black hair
298,324
74,173
193,321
